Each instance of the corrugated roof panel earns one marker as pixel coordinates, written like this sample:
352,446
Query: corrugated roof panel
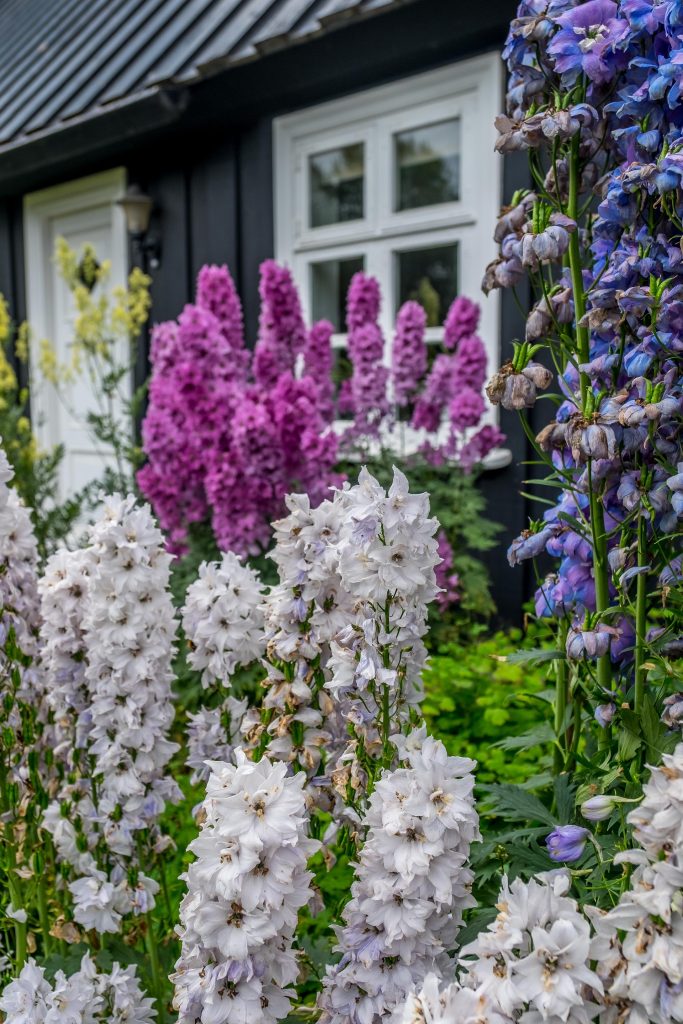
182,60
46,77
165,43
283,19
91,75
221,46
65,59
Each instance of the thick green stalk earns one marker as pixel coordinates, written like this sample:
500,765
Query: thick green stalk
641,615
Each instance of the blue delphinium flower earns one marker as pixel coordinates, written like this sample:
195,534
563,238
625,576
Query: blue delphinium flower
591,40
566,843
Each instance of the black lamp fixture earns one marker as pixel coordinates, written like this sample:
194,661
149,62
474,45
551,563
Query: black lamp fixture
137,209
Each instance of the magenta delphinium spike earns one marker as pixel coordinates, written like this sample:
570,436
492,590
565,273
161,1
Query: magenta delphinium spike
409,352
436,394
470,362
362,301
216,292
368,388
282,334
318,364
461,322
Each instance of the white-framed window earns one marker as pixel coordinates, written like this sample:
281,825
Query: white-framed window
401,181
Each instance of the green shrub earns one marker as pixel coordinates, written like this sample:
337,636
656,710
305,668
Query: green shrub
473,700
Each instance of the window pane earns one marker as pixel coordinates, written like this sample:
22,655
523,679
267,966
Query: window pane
329,284
430,276
336,182
427,165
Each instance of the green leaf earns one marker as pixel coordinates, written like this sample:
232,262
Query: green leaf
535,656
514,803
564,799
652,728
533,738
628,745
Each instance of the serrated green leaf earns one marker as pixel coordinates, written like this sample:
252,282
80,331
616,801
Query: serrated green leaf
564,799
628,745
533,738
535,656
516,804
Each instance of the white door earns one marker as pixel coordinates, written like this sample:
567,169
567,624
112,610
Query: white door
80,211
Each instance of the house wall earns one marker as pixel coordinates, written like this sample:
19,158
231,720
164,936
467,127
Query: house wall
208,166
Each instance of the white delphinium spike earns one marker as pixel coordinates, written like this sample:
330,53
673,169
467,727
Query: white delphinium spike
387,555
223,620
64,591
245,888
19,599
533,961
639,944
64,588
28,763
128,629
302,612
85,997
450,1004
212,734
412,884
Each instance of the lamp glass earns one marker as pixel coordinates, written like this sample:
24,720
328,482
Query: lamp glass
137,209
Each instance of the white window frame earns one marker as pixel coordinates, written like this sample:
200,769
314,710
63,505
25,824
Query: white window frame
470,90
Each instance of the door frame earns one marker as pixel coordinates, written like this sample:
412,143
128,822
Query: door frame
40,208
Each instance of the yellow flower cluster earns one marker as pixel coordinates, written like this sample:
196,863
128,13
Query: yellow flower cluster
132,305
101,319
18,438
5,321
8,381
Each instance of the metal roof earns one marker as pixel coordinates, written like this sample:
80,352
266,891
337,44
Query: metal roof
62,61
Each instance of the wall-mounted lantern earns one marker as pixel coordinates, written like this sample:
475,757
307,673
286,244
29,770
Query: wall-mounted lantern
137,209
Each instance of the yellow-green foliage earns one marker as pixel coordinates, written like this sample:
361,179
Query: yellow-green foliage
473,700
18,439
104,320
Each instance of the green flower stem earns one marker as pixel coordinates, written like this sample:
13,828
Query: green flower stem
600,575
44,916
15,895
597,518
575,267
157,978
561,695
641,615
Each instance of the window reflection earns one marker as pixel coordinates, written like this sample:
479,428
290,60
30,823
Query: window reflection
427,162
330,281
430,277
336,183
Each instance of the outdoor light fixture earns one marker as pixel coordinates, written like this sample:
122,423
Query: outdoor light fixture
137,209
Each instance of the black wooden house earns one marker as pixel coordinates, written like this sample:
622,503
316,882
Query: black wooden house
259,128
